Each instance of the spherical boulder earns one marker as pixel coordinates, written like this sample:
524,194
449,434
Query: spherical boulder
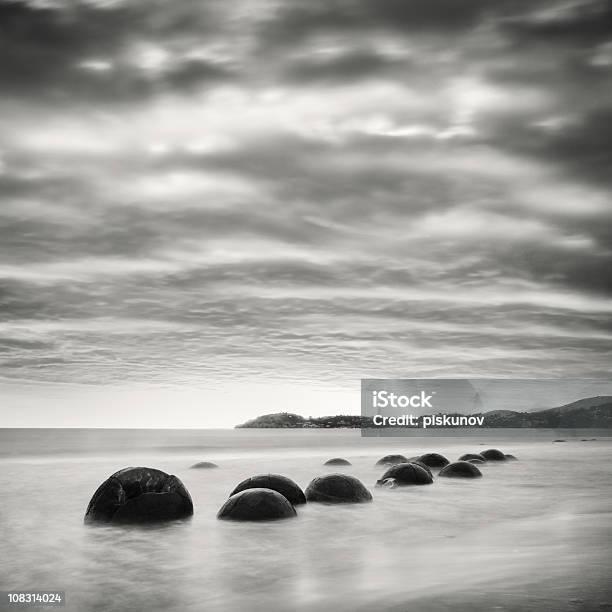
204,465
469,456
392,460
256,505
337,461
511,457
492,454
283,485
434,460
139,495
460,469
337,489
476,461
407,474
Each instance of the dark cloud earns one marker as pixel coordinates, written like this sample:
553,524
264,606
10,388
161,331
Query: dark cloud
572,24
45,49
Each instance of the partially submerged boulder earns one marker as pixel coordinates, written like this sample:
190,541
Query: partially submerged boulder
460,469
476,461
204,465
256,505
469,456
434,460
337,489
407,474
493,454
392,460
511,457
337,461
283,485
139,495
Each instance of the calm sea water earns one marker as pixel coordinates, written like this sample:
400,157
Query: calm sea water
530,535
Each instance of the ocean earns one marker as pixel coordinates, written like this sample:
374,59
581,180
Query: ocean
535,534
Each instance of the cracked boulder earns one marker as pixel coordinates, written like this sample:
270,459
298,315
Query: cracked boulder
405,474
139,495
460,469
256,505
337,489
283,485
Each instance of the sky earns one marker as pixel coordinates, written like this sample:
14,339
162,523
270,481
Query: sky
211,210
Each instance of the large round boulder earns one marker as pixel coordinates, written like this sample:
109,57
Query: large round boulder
392,460
204,465
460,469
283,485
256,505
492,454
434,460
337,489
337,461
139,495
407,474
469,456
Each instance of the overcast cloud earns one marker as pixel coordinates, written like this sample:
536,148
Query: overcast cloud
207,193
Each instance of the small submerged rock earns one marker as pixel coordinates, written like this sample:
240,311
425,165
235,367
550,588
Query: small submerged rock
434,460
493,454
476,461
256,505
139,495
392,460
469,456
337,489
204,465
407,474
511,457
460,469
388,483
337,461
283,485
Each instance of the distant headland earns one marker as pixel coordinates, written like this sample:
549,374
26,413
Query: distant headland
594,412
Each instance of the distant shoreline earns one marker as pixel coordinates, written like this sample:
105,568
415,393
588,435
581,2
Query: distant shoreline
594,412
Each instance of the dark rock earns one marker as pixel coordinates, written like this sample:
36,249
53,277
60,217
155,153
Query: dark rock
434,460
283,485
139,495
492,454
460,469
337,461
558,440
476,461
469,456
407,474
511,458
256,505
337,489
392,460
204,465
425,467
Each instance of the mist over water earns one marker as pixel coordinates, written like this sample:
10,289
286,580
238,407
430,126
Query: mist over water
523,527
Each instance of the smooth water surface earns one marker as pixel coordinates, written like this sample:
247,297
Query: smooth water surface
532,534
